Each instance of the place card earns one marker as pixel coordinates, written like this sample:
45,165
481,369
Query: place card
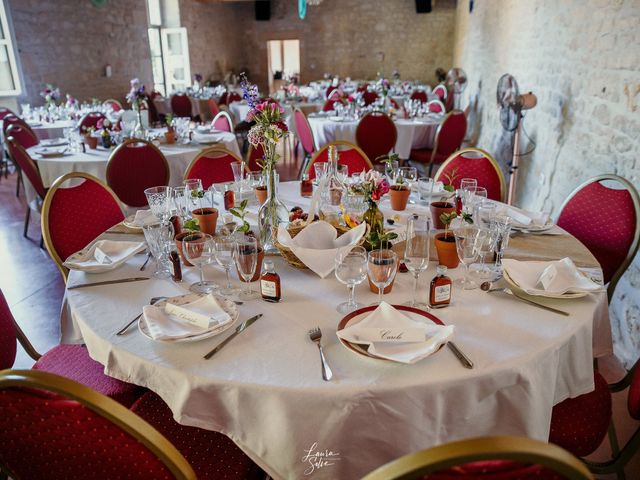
392,335
188,315
547,277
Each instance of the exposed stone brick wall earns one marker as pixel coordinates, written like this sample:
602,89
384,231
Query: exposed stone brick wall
582,60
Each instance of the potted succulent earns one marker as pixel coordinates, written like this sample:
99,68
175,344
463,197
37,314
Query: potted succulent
446,241
440,208
89,139
378,241
170,135
243,227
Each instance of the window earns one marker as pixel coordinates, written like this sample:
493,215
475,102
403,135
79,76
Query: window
284,61
9,78
169,47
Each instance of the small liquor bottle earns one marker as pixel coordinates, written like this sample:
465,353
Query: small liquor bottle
440,292
176,267
177,225
229,197
270,283
306,186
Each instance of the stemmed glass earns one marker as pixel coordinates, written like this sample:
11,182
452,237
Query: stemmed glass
245,253
193,187
351,269
199,249
181,202
484,245
381,267
467,252
159,200
416,252
159,237
408,175
471,196
501,228
224,247
465,184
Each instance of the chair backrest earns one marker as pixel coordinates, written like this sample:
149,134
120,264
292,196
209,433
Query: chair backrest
348,154
8,344
74,215
474,163
329,104
91,119
222,121
29,168
151,107
233,97
213,106
23,135
330,90
441,91
369,97
10,120
68,430
376,134
181,105
115,105
419,95
254,155
450,134
449,101
303,129
4,111
134,166
435,106
490,458
223,98
363,87
212,165
607,221
633,400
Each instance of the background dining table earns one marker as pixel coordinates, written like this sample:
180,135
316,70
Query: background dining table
264,389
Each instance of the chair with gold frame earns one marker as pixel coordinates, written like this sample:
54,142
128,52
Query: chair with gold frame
212,165
115,105
349,154
73,216
512,457
474,163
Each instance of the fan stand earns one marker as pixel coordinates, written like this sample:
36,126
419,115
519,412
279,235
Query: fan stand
513,168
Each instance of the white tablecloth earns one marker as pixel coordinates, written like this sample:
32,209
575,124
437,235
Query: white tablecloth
239,111
411,133
264,390
199,106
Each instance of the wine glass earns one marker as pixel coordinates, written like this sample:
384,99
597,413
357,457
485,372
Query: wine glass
193,189
381,267
159,237
199,249
181,202
351,269
416,252
484,245
501,228
320,169
159,200
246,256
471,196
408,175
467,252
465,184
223,248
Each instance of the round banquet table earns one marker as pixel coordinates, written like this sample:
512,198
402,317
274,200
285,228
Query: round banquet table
199,107
264,389
415,133
239,111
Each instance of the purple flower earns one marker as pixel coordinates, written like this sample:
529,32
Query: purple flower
249,91
197,77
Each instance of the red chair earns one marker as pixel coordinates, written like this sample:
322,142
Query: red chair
91,119
369,97
362,87
305,134
181,105
233,97
332,99
213,106
449,137
440,91
419,95
27,166
22,134
474,163
134,166
489,458
73,216
611,238
10,120
580,424
254,155
330,90
69,361
376,134
4,111
115,105
222,121
212,165
435,106
223,99
349,155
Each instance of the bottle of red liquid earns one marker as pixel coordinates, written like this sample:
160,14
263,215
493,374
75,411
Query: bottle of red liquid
229,197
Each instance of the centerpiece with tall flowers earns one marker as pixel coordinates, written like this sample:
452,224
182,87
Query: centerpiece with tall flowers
137,97
268,131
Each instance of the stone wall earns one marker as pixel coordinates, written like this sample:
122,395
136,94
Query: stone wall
582,60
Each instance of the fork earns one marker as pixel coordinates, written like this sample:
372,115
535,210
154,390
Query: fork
316,336
126,327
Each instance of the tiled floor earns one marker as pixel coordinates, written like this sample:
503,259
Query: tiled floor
34,288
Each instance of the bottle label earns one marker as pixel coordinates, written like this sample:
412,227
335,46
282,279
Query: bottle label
442,293
268,288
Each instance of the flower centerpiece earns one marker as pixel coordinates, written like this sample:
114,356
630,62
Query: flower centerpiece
137,98
50,94
372,187
72,103
268,132
197,82
104,124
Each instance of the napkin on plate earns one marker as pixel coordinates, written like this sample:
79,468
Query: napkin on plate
103,255
318,244
143,217
172,324
373,329
556,278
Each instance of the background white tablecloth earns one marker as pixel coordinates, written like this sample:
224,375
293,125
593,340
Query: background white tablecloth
264,390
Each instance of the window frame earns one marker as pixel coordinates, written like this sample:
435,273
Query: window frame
9,42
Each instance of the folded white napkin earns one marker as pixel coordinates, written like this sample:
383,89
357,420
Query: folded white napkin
372,331
174,324
318,244
523,218
557,278
144,217
103,255
210,137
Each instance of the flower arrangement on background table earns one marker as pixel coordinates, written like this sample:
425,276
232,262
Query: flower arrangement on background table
137,98
51,95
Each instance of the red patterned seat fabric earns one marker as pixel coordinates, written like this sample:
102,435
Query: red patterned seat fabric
212,169
23,135
496,470
376,135
212,455
79,214
47,436
580,424
352,158
588,217
8,344
255,156
27,165
479,168
221,123
633,401
304,131
181,105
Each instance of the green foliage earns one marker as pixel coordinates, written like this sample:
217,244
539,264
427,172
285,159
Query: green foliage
197,193
447,218
168,119
191,224
380,240
240,213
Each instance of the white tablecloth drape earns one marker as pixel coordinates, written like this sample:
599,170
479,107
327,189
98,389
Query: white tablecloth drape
264,389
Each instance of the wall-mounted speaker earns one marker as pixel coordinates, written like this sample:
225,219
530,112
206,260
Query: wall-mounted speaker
263,10
423,6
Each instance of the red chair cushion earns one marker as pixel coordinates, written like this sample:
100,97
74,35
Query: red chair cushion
11,119
27,165
212,169
47,436
419,95
304,131
212,455
8,342
329,105
580,424
181,105
222,123
352,158
495,470
213,106
22,134
633,401
233,97
376,135
479,168
74,362
255,155
587,216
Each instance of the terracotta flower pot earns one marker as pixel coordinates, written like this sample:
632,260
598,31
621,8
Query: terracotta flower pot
197,237
399,197
437,209
91,142
261,194
256,276
207,219
170,137
446,248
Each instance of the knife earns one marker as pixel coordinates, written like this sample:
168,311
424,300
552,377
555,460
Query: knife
466,362
238,330
108,282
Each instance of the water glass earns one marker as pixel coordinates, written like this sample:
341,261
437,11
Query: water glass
501,229
238,172
159,237
321,169
416,252
193,191
159,200
483,213
224,248
381,267
467,252
351,269
425,189
181,202
246,257
470,197
199,249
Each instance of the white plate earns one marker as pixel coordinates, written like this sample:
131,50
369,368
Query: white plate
51,153
541,293
106,267
128,222
227,305
533,228
53,142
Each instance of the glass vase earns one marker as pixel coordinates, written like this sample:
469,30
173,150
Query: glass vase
374,218
272,213
138,130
